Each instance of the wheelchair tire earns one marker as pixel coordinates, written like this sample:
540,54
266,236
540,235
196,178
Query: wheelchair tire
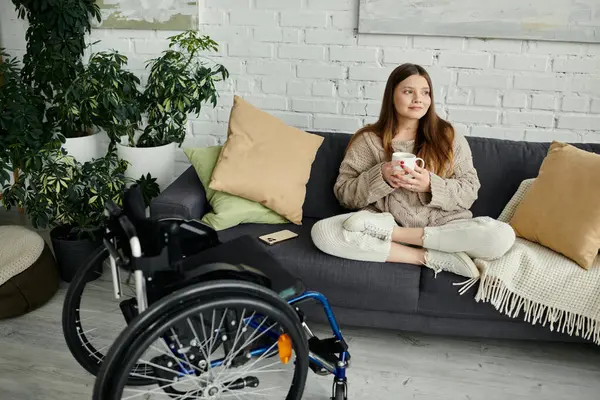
133,341
82,350
340,391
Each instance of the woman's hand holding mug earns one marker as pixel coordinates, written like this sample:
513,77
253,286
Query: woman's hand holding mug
407,174
416,180
391,174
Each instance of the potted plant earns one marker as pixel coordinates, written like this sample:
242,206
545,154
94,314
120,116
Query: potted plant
23,131
179,83
54,59
103,96
69,197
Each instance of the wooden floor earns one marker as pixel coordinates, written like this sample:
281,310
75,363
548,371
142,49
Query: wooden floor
35,364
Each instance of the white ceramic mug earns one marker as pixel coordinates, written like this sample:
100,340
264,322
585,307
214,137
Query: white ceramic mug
410,160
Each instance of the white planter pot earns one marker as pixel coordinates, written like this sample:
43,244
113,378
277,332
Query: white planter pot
158,161
85,148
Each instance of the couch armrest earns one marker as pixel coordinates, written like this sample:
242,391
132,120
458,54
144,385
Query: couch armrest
184,198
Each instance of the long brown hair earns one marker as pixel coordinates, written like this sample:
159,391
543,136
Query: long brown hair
435,136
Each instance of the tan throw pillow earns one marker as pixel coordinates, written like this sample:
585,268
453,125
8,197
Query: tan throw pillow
515,200
265,160
561,208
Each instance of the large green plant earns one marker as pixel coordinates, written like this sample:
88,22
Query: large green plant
64,192
55,48
23,131
104,95
180,82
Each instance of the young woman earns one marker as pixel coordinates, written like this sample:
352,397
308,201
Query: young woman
417,216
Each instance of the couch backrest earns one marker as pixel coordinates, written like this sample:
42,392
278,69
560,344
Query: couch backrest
320,202
501,165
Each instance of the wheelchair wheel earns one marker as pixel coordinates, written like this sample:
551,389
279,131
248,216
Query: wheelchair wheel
92,318
214,340
340,390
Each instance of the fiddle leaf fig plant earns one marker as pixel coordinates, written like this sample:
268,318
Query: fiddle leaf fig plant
180,82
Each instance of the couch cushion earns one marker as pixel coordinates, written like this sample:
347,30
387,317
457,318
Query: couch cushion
502,165
320,201
346,283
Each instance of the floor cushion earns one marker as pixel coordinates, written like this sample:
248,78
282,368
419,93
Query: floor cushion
28,271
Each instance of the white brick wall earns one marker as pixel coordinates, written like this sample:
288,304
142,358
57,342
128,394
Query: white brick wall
302,61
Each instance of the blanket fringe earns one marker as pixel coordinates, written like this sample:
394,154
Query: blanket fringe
492,290
466,285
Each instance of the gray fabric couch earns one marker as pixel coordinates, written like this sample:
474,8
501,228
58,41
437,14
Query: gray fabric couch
386,295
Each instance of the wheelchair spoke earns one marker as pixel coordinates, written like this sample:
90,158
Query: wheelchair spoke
249,341
89,311
244,371
229,357
237,396
207,355
119,324
156,390
236,339
154,377
257,392
175,358
103,348
99,288
201,346
154,365
185,355
262,370
218,330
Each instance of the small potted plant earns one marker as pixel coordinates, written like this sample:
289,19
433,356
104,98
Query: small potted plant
69,197
179,83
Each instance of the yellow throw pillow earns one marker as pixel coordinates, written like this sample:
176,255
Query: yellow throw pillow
561,209
265,160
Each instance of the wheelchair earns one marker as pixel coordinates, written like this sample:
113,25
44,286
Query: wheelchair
194,318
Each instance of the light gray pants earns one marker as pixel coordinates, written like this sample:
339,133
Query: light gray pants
480,237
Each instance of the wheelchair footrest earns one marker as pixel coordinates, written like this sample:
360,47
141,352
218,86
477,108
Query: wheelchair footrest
327,346
326,349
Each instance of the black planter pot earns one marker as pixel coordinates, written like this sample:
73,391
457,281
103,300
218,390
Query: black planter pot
72,254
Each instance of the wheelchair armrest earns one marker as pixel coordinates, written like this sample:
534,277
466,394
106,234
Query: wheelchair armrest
112,209
185,198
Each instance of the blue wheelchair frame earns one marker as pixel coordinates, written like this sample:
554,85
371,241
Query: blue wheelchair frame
338,370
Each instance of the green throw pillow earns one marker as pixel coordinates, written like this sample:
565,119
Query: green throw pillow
227,210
